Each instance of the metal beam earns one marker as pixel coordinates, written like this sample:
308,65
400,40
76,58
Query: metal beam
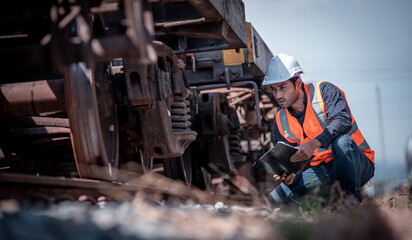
32,97
200,19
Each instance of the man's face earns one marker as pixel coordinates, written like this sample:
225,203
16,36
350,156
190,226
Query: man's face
285,93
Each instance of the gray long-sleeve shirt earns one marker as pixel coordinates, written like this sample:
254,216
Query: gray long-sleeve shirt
336,109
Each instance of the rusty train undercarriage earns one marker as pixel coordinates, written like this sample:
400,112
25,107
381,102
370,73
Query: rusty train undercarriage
96,88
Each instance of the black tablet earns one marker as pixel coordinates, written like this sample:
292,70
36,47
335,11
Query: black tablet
277,160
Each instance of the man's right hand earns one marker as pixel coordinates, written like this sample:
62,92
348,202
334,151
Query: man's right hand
285,179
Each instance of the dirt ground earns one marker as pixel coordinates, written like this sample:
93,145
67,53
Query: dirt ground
383,217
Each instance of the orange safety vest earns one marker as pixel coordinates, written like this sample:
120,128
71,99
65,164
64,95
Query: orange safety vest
314,124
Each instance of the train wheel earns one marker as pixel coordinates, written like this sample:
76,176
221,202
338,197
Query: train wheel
179,168
93,121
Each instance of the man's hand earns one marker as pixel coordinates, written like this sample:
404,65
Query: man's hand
285,179
305,150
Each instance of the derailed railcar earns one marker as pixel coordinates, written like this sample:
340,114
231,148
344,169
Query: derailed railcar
126,86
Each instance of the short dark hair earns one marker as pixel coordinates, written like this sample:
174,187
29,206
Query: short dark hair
294,79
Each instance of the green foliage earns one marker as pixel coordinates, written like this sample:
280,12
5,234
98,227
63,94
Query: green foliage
312,202
296,230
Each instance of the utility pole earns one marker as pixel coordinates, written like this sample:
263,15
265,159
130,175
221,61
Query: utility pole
380,123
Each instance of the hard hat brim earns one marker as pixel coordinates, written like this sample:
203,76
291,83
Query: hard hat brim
266,80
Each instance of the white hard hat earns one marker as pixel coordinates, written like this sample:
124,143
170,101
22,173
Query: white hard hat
281,68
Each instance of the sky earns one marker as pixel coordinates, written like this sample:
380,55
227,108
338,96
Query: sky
362,46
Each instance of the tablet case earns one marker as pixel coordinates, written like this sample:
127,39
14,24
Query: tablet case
277,160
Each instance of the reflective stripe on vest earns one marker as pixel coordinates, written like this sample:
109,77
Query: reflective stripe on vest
287,133
292,131
317,108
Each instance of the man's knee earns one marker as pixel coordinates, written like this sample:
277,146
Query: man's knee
278,195
343,144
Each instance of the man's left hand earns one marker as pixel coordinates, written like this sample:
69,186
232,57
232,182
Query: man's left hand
285,179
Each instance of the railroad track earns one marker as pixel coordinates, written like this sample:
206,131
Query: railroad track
153,187
49,188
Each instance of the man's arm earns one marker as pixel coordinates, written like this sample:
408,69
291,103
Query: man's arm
337,111
340,118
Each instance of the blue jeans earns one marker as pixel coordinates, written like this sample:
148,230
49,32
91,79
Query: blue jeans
350,166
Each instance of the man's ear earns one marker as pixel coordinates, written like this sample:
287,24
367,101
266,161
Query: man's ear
298,83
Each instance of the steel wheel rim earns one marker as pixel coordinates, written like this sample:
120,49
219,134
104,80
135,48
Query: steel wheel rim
96,154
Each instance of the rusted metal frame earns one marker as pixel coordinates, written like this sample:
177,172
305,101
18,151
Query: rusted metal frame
217,60
33,121
210,106
23,58
228,73
40,131
237,84
203,41
141,35
56,51
213,125
171,12
163,137
228,77
104,51
223,20
61,30
138,35
142,83
246,96
211,30
180,23
38,56
195,45
236,94
258,53
32,97
214,60
237,90
159,139
105,7
52,140
22,35
253,59
139,81
232,13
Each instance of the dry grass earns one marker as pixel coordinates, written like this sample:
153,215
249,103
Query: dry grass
342,217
